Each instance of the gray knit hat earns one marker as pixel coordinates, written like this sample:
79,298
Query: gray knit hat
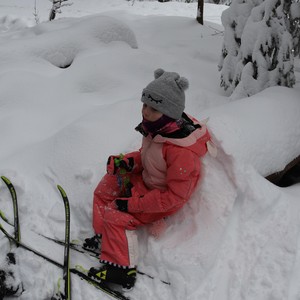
166,93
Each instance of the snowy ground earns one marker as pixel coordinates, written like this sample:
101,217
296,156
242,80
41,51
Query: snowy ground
238,237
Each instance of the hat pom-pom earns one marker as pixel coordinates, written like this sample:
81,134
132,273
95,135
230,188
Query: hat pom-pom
158,73
183,83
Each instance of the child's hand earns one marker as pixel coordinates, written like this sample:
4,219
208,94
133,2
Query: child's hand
110,165
119,162
122,205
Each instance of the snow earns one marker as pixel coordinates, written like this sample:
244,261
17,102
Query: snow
70,96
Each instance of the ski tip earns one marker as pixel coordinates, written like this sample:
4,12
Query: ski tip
5,179
62,191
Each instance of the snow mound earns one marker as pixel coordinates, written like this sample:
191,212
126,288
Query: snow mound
11,23
251,129
60,41
237,236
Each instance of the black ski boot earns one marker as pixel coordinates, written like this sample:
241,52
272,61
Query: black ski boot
125,277
93,243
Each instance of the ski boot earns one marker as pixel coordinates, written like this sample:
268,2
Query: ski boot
125,277
93,244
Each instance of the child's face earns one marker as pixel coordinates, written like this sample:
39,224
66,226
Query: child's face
150,114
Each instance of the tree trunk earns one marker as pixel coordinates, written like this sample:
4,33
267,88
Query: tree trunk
200,11
52,14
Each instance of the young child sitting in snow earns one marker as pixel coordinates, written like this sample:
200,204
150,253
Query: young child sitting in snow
160,178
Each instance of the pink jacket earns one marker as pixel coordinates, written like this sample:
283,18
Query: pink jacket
171,168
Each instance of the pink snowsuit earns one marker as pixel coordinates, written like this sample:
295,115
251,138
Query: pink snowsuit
165,174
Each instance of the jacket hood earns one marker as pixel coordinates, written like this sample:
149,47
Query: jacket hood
194,139
195,142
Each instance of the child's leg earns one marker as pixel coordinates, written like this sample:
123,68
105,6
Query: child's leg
119,238
106,192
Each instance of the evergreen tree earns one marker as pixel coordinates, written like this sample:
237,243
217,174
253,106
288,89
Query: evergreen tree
292,10
257,48
234,20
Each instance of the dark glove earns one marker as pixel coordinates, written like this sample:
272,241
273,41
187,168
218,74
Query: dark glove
115,163
122,205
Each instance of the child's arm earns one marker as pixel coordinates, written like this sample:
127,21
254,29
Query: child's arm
183,174
137,165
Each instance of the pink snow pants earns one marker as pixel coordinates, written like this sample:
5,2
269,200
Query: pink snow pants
118,229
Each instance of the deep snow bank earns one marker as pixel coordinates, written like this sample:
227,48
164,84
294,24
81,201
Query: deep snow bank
236,239
262,130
